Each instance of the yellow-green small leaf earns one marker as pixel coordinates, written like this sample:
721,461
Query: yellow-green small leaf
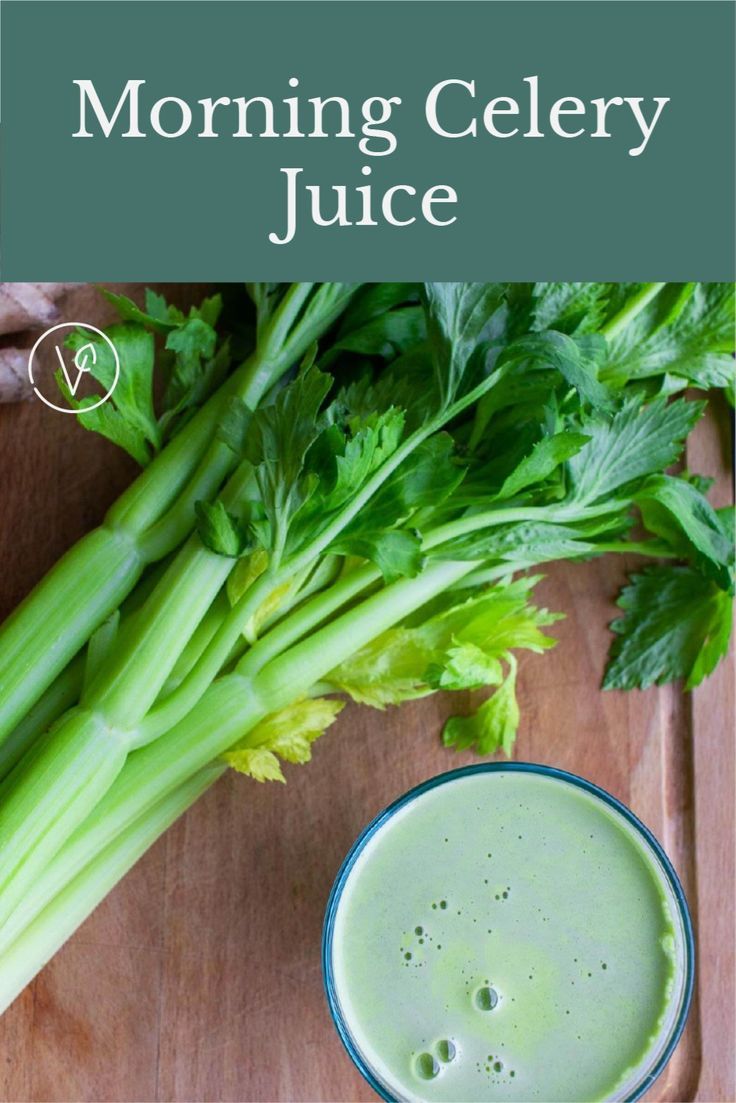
257,762
288,733
244,574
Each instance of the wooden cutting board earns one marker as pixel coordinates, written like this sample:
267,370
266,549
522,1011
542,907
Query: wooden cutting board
199,977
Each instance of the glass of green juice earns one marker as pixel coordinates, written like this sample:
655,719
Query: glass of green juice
508,932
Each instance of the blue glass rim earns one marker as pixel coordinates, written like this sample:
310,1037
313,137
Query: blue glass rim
510,767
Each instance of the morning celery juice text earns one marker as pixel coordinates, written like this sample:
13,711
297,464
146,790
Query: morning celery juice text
507,935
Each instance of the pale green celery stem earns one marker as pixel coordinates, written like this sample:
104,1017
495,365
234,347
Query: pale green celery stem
219,650
651,548
230,708
482,576
293,672
174,707
178,521
157,487
262,369
633,307
306,618
324,574
312,317
66,689
293,327
351,585
94,577
132,678
87,748
322,689
276,330
63,778
198,643
77,898
225,644
178,703
60,696
222,644
57,618
474,522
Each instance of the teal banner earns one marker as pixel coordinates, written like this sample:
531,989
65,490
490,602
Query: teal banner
335,140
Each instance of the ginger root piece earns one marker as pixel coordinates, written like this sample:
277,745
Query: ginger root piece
15,386
23,307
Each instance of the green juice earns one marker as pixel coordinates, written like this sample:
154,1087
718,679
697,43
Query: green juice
508,934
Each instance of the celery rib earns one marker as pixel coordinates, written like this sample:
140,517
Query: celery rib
44,930
58,617
60,696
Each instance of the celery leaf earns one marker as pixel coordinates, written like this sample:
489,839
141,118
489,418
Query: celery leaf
493,726
577,359
287,734
569,307
674,509
127,417
457,317
694,339
544,458
675,624
639,440
221,531
454,648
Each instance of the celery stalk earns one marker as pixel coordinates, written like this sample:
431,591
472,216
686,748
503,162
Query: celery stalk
40,940
61,695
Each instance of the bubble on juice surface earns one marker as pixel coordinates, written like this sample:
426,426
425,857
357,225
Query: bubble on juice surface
426,1066
485,998
446,1050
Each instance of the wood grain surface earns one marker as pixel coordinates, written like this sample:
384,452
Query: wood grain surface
199,977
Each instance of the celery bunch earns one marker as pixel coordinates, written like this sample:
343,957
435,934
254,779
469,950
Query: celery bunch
363,529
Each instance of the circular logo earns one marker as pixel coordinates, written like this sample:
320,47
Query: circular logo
73,367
